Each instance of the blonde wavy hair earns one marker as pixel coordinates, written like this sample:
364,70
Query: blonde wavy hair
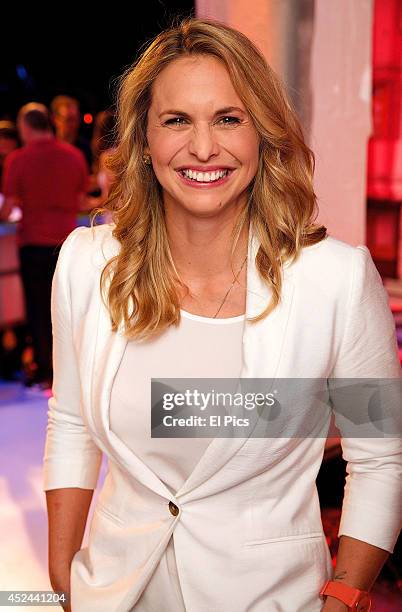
139,285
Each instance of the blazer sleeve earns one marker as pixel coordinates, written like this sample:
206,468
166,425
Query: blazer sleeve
71,458
372,503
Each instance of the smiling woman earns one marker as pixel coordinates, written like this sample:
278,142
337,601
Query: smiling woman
213,268
225,150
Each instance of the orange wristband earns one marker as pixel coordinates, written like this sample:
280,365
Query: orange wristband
357,600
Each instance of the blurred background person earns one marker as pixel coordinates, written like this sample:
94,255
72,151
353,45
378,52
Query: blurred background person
9,355
9,141
102,144
66,119
48,180
103,136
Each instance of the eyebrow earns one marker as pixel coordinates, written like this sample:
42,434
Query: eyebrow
226,109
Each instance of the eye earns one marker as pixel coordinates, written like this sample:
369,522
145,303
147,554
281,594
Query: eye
174,121
232,120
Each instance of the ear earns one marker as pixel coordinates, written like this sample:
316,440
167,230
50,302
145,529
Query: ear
146,150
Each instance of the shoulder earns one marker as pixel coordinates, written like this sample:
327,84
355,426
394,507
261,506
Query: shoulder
97,240
69,150
86,250
336,267
331,252
332,256
14,157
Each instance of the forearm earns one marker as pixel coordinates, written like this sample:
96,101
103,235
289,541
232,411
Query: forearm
358,564
8,205
5,212
67,515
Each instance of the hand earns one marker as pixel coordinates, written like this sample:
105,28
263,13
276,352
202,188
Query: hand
66,605
332,604
61,584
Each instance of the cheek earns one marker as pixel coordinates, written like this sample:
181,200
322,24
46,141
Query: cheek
250,147
244,147
165,146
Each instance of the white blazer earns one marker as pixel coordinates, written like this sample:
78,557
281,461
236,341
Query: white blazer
248,534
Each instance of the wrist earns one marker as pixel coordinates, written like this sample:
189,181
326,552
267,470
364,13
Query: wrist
347,596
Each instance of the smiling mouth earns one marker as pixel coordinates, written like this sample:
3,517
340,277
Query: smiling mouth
205,177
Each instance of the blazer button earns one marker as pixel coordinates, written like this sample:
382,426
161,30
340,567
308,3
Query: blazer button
173,508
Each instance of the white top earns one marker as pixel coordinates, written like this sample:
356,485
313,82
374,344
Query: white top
200,347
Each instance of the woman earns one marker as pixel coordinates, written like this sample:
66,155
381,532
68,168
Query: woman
214,275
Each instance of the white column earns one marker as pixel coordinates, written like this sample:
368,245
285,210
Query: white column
341,118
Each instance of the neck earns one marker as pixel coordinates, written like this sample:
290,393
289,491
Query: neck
67,137
36,136
201,248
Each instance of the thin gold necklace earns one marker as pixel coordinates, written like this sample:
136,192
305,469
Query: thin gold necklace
228,291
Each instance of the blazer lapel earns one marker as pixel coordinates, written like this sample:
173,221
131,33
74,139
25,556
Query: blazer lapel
108,350
262,347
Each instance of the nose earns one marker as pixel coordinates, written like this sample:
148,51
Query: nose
202,142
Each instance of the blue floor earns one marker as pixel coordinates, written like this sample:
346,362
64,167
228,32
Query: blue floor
23,523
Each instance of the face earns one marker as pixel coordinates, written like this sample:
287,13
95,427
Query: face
197,124
67,119
23,130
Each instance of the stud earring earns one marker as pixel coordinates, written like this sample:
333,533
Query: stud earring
147,159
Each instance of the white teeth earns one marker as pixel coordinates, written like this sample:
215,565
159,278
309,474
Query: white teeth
204,177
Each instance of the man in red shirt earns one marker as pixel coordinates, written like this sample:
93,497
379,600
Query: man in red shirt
48,180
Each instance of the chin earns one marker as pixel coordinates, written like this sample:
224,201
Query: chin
205,209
